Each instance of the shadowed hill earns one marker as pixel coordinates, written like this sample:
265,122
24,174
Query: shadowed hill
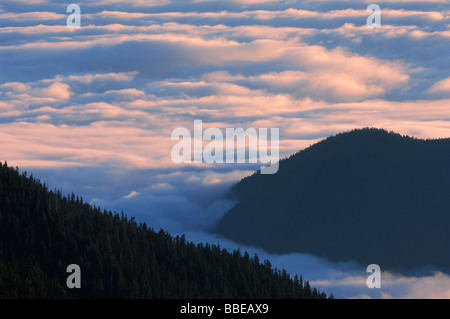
366,195
42,232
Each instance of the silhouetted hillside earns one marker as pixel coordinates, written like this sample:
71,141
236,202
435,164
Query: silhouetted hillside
367,195
41,233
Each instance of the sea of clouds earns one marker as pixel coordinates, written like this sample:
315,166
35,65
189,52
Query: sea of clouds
91,110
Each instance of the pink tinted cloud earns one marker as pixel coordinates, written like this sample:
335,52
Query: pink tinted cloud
92,145
15,87
33,16
442,86
330,74
57,90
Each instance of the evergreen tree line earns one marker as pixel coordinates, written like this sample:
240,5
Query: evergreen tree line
42,232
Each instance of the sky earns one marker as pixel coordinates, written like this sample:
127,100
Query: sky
91,110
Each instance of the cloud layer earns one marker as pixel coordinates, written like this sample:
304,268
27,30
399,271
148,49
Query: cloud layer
91,110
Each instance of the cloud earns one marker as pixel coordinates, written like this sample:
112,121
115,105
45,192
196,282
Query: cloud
346,279
134,3
28,2
162,186
33,16
131,195
59,91
15,87
168,205
393,286
91,79
442,86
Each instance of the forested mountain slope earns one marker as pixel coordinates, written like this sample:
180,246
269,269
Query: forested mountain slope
42,232
367,195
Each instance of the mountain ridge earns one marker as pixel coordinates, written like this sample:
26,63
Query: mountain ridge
367,195
42,232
